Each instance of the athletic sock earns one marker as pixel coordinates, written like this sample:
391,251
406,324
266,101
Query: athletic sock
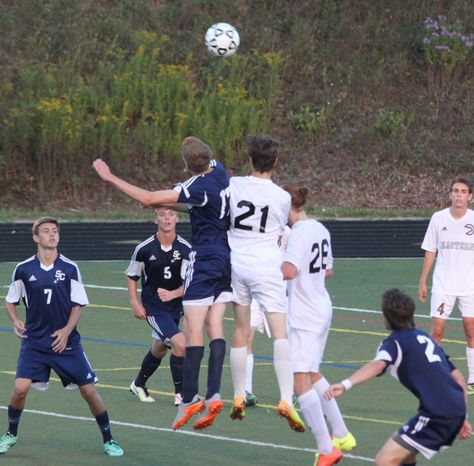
331,409
102,420
238,368
314,417
176,367
149,365
216,363
249,374
283,371
470,364
13,419
191,368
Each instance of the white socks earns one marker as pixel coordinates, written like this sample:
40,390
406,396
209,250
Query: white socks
313,415
470,364
283,370
249,374
331,409
238,367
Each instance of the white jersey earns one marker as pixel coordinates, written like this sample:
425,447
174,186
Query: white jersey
453,240
259,211
309,250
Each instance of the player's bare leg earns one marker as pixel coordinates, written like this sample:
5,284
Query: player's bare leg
437,329
393,454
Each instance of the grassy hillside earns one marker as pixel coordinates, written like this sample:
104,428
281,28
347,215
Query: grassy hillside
372,100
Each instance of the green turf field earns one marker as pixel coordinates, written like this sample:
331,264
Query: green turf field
57,429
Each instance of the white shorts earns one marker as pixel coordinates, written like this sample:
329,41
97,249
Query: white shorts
442,305
258,319
267,288
307,349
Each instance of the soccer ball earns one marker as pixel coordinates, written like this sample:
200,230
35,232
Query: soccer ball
222,40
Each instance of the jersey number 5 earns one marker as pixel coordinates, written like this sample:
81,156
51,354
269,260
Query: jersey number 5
318,262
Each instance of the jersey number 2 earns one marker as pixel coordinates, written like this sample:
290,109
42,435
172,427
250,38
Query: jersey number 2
322,251
430,347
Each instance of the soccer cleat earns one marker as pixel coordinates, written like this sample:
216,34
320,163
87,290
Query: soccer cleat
186,411
7,441
212,407
345,444
470,388
178,399
327,460
142,393
291,415
112,448
250,400
238,408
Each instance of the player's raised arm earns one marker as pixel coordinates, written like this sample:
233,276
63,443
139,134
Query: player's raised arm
147,198
367,372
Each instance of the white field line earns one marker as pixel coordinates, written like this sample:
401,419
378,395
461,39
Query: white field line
184,432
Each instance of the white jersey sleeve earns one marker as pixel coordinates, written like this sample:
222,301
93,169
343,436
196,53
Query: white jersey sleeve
16,291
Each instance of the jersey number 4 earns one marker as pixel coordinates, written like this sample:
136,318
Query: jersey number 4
250,210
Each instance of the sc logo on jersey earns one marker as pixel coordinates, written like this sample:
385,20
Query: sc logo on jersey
176,256
470,229
59,277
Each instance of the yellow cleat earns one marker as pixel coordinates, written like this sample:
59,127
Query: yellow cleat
291,415
345,444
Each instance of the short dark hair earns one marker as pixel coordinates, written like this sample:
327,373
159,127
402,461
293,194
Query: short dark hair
398,309
262,151
196,154
463,180
298,195
38,222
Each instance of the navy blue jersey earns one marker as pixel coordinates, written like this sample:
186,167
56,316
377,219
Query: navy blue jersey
49,294
422,366
159,267
207,196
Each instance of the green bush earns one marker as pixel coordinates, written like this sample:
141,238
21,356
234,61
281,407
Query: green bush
134,107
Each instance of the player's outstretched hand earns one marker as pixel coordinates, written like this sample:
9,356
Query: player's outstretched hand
334,391
102,169
466,431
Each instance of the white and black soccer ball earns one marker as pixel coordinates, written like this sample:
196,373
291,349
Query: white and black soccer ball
222,40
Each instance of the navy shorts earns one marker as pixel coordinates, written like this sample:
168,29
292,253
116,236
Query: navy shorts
429,435
71,366
207,276
164,327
